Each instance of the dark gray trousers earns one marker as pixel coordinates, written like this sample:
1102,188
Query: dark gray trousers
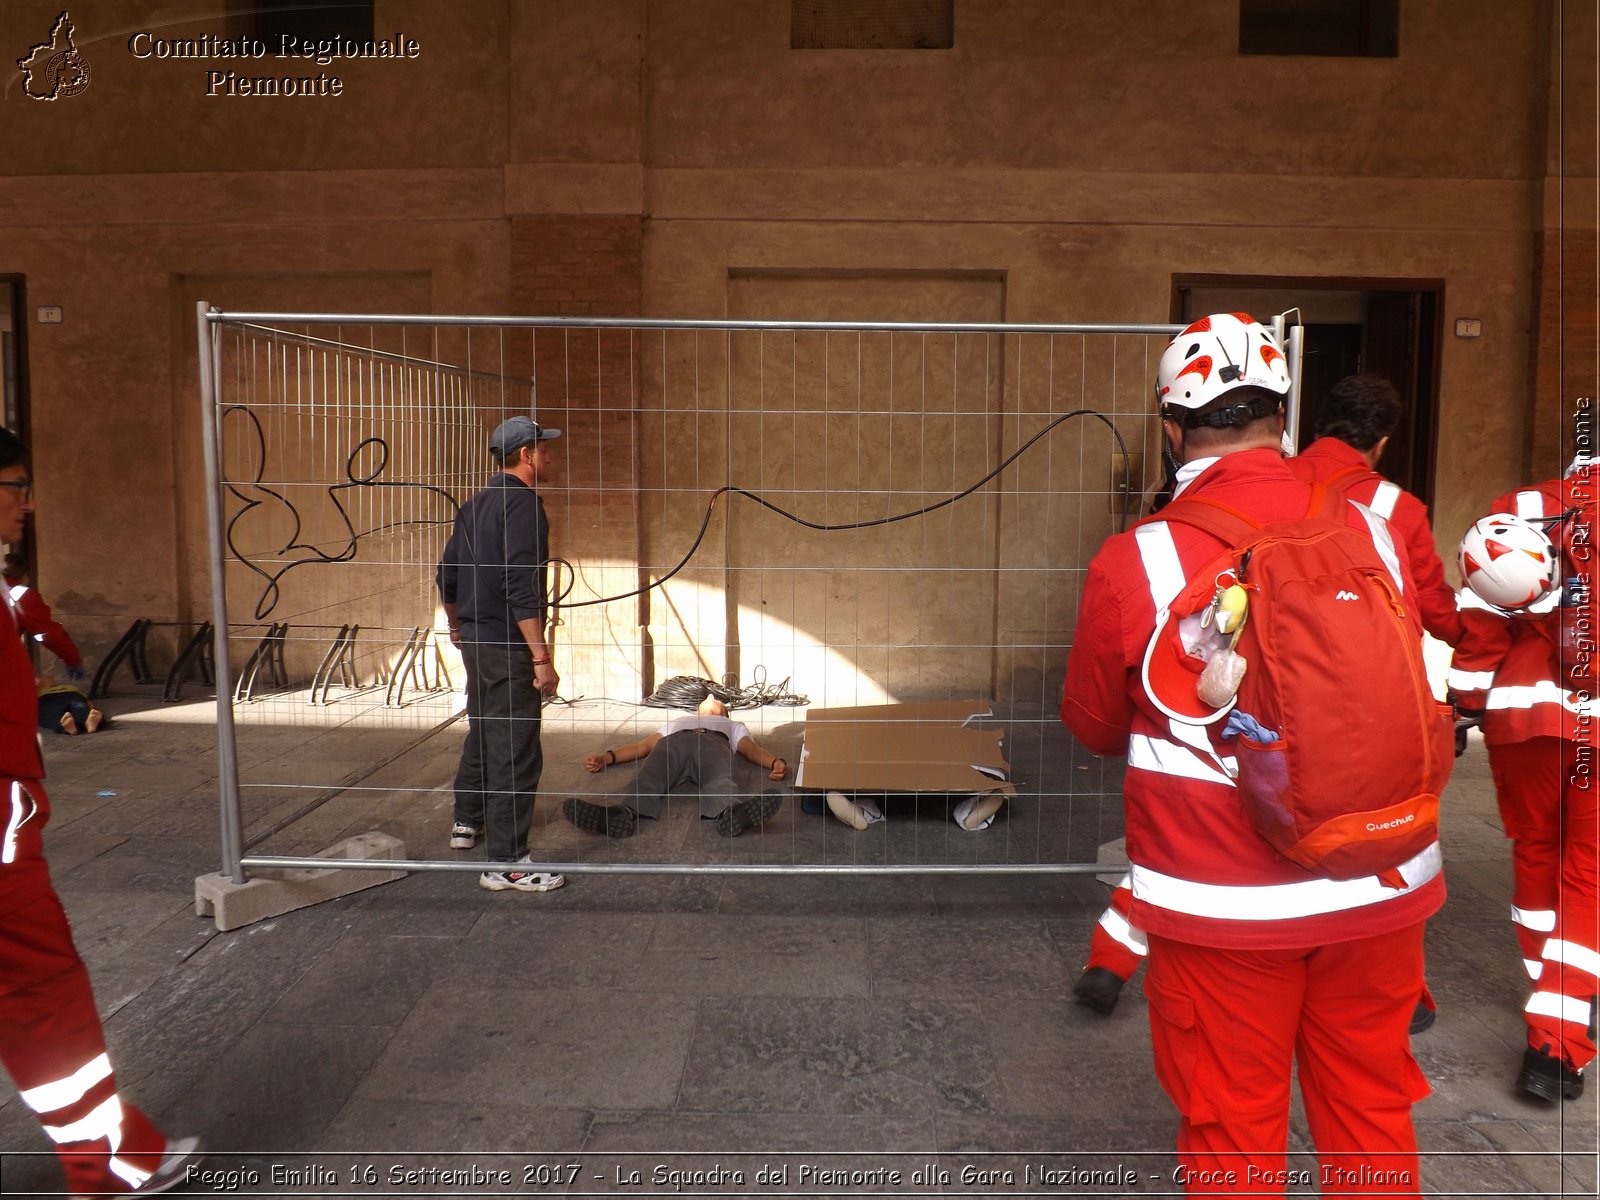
698,756
501,760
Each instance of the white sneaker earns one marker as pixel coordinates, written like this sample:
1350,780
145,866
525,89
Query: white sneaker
464,837
520,881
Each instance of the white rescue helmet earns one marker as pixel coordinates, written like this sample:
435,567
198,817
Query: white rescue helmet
1508,562
1217,354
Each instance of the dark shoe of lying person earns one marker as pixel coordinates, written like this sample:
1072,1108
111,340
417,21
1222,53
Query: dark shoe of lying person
610,820
736,818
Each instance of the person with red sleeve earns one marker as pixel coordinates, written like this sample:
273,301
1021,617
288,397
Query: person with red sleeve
50,1037
1255,963
1353,429
38,623
1539,719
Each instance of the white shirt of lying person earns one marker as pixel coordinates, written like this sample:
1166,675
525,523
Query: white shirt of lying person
734,731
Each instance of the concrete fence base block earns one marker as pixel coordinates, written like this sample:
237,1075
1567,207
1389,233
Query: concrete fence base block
1114,853
272,891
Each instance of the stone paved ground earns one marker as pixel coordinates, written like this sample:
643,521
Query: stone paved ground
631,1030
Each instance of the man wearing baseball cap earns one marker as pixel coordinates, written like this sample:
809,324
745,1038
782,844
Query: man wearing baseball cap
493,584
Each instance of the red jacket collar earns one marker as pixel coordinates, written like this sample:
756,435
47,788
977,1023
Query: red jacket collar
1264,465
1332,450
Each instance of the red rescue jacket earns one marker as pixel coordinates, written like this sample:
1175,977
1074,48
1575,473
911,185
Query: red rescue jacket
19,711
1407,517
1199,872
37,622
1508,665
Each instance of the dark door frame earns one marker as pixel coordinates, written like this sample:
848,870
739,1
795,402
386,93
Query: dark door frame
18,291
1430,332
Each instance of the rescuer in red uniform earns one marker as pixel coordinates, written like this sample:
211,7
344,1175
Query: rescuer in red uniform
1256,964
1527,663
50,1036
1353,429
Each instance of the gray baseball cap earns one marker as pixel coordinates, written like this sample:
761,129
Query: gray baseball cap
515,432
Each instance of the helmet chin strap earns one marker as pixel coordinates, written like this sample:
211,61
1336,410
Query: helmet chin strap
1174,454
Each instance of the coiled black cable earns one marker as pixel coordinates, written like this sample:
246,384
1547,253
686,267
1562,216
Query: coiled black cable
270,594
687,691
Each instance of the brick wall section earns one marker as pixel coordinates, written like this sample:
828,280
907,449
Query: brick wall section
1572,312
1566,319
1568,324
576,266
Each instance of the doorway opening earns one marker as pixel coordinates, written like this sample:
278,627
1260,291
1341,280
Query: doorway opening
1387,327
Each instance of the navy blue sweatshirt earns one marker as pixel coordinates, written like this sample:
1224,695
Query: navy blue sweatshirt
493,568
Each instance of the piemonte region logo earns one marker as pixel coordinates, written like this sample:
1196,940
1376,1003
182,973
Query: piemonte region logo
55,69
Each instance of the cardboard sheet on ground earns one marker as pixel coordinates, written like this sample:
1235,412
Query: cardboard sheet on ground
924,746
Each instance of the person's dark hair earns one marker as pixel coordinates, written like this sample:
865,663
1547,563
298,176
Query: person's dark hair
1360,410
510,459
13,453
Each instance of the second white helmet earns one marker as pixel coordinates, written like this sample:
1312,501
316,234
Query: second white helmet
1217,354
1508,562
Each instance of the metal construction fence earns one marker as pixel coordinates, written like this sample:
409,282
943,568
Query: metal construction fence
805,513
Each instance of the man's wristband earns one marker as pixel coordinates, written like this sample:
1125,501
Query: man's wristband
611,758
541,662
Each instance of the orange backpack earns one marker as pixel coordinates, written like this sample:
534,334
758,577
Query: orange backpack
1350,787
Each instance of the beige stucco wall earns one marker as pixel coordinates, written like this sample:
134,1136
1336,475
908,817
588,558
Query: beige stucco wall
1079,156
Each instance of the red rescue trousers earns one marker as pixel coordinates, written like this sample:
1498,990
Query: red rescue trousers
1229,1025
50,1037
1550,807
1116,945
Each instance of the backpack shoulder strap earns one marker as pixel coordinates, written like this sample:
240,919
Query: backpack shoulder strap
1347,477
1327,501
1225,523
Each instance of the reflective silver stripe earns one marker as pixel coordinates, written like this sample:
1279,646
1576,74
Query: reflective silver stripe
1198,738
1470,681
104,1122
1167,758
1571,954
47,1097
1383,500
1118,927
1467,598
1562,1008
1530,505
1162,570
131,1174
1539,920
23,808
8,848
1383,542
1546,691
1279,901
